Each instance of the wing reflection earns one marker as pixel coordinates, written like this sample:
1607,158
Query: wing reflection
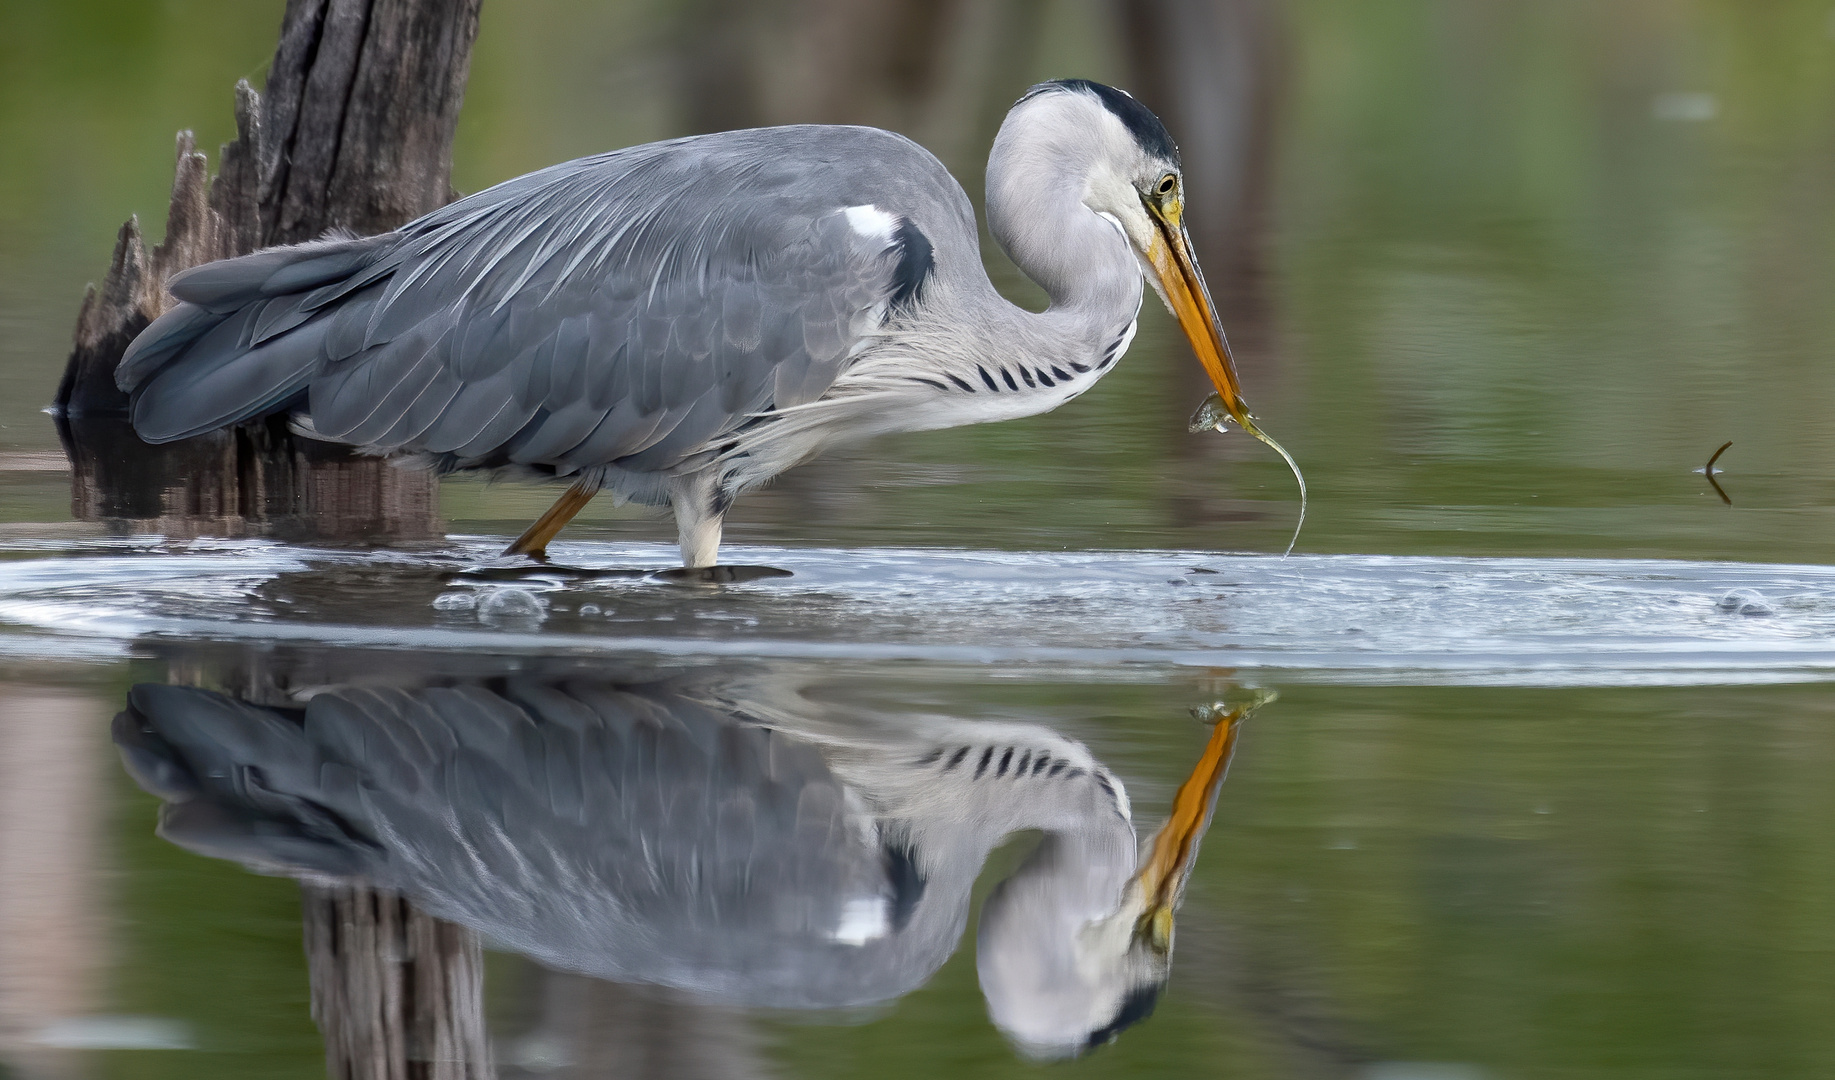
690,833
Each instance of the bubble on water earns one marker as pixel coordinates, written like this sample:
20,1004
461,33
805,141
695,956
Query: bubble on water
589,609
1421,1070
116,1033
1686,106
1749,602
455,601
511,605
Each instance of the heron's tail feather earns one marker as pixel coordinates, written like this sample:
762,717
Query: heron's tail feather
239,781
246,337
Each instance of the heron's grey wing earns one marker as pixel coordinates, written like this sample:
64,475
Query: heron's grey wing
240,782
628,832
632,834
626,308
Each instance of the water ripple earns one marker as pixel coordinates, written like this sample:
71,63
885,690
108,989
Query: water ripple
1338,618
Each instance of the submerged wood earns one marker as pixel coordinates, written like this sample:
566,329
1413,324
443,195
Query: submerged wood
355,132
398,994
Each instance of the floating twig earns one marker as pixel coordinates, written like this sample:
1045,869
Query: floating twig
1708,471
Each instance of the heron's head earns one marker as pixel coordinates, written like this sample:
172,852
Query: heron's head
1077,944
1129,170
1057,981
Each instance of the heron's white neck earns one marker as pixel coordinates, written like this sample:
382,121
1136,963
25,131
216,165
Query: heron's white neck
1041,172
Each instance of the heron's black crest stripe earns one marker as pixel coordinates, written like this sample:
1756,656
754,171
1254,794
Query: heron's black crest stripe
907,883
986,756
1137,118
956,759
962,385
1008,376
986,378
1006,759
1137,1006
916,261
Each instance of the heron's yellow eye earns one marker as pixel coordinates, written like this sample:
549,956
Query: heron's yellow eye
1167,185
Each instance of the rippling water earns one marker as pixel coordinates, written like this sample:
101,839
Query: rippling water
1353,619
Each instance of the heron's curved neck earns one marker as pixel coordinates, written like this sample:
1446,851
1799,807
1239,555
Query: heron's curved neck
1036,186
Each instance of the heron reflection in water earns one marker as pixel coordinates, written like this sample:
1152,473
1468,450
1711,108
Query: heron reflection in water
682,321
675,833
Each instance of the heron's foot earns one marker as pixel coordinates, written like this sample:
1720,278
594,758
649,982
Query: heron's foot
534,540
718,575
539,555
547,570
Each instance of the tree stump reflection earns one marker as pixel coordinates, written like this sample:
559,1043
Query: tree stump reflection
397,993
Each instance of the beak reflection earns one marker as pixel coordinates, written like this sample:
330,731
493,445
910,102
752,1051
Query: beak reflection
1174,851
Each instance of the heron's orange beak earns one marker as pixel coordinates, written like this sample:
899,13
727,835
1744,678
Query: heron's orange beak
1182,284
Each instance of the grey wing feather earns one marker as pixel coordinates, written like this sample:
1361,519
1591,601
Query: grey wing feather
629,307
587,824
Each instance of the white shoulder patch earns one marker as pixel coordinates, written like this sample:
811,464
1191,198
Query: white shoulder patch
870,220
863,919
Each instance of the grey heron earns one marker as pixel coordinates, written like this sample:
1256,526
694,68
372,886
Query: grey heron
674,833
680,322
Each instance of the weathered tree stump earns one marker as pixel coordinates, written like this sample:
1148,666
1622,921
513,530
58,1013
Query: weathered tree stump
355,132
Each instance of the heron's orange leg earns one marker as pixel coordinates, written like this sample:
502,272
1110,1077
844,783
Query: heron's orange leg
534,540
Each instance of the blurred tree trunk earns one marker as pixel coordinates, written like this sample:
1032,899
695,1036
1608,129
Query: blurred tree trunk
355,132
1215,71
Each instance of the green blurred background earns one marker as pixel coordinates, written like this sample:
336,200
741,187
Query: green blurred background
1504,274
1501,273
